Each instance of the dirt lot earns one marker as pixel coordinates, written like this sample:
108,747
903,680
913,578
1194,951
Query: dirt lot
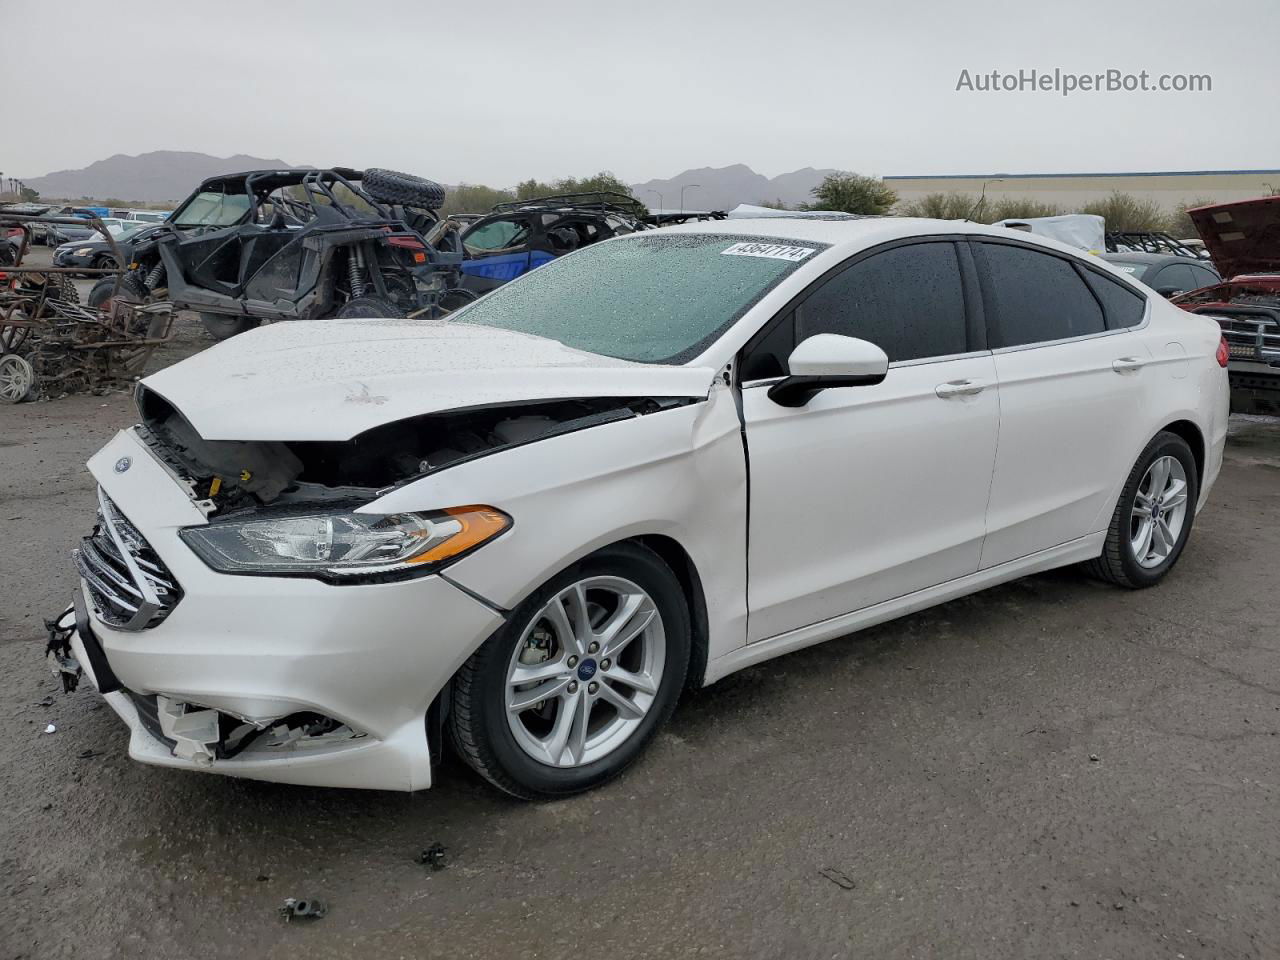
1054,768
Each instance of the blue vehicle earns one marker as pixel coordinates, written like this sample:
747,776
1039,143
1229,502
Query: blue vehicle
522,235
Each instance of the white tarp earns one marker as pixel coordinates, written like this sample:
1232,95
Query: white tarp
1083,230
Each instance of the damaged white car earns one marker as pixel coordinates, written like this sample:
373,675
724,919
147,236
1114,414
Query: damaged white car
330,548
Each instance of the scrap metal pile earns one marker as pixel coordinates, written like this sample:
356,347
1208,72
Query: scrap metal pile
51,345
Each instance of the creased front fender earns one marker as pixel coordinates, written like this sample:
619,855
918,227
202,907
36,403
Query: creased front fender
680,473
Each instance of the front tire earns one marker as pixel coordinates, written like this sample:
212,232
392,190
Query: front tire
567,693
222,327
1153,517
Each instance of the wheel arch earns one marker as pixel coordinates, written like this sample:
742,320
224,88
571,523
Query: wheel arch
1191,433
675,556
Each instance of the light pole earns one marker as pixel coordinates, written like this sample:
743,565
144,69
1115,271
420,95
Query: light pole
651,190
983,198
683,189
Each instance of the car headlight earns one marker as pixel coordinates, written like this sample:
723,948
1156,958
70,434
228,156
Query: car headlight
345,546
83,252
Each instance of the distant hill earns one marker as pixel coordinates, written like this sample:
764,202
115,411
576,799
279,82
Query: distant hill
167,176
162,176
723,188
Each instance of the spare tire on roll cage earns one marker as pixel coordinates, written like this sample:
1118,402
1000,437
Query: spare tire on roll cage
391,186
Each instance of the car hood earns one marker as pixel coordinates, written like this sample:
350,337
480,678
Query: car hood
1241,237
334,379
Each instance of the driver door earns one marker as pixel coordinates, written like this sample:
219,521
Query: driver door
872,492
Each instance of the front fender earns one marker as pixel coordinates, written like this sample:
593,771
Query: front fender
679,472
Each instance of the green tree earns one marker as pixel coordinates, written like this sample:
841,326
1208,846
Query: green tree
851,192
29,195
1124,211
602,182
473,198
1179,225
1012,209
940,206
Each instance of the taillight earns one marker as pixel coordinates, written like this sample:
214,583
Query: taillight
1224,352
408,243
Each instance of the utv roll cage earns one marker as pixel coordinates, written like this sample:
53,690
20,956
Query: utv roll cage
1141,241
599,201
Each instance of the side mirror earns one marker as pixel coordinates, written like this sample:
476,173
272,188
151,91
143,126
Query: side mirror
828,360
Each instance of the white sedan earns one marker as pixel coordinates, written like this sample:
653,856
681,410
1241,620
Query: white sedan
329,548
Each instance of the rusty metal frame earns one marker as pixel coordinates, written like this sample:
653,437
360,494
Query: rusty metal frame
101,339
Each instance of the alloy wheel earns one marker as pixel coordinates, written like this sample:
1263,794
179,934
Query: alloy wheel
1159,511
585,672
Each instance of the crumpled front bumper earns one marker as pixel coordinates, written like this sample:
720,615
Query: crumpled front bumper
371,656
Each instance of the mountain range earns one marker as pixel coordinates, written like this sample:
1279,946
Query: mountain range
723,188
162,176
166,176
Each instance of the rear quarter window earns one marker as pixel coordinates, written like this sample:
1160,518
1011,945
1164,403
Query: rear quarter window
1123,306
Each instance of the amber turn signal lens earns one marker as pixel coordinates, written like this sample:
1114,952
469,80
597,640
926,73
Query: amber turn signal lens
476,525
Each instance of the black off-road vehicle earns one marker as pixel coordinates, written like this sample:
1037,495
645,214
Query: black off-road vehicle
301,244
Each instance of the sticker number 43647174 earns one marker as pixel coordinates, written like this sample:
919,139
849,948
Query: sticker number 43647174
773,251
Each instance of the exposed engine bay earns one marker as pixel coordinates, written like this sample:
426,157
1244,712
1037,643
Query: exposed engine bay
231,475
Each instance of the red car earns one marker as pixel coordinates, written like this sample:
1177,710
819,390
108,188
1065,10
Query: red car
1243,240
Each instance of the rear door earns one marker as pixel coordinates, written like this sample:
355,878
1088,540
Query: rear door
1072,393
873,492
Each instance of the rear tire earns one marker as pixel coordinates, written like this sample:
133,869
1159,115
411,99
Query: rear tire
64,288
511,745
1119,562
100,293
222,327
368,308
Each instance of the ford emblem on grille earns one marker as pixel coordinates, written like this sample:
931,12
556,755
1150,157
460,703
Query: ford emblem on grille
123,464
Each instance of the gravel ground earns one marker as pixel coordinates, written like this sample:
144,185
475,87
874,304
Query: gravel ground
1053,768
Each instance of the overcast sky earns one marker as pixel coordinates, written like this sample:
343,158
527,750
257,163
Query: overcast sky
493,91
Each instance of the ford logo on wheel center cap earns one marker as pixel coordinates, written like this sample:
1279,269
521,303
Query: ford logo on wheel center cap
123,464
586,669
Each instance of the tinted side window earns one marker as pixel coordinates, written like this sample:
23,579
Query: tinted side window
908,301
1177,276
766,355
1123,307
1204,277
1034,297
498,235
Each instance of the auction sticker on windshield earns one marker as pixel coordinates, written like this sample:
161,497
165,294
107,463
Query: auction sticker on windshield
773,251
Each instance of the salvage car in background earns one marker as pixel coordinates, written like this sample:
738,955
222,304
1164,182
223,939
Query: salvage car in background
1166,275
303,244
527,528
1243,239
520,235
96,254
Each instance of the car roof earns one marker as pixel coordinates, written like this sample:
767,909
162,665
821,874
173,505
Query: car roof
847,234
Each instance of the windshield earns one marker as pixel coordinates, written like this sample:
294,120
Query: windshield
213,209
651,297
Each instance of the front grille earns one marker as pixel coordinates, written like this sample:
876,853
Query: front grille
130,586
1252,337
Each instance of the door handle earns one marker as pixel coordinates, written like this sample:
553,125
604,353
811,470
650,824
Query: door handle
960,388
1128,364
